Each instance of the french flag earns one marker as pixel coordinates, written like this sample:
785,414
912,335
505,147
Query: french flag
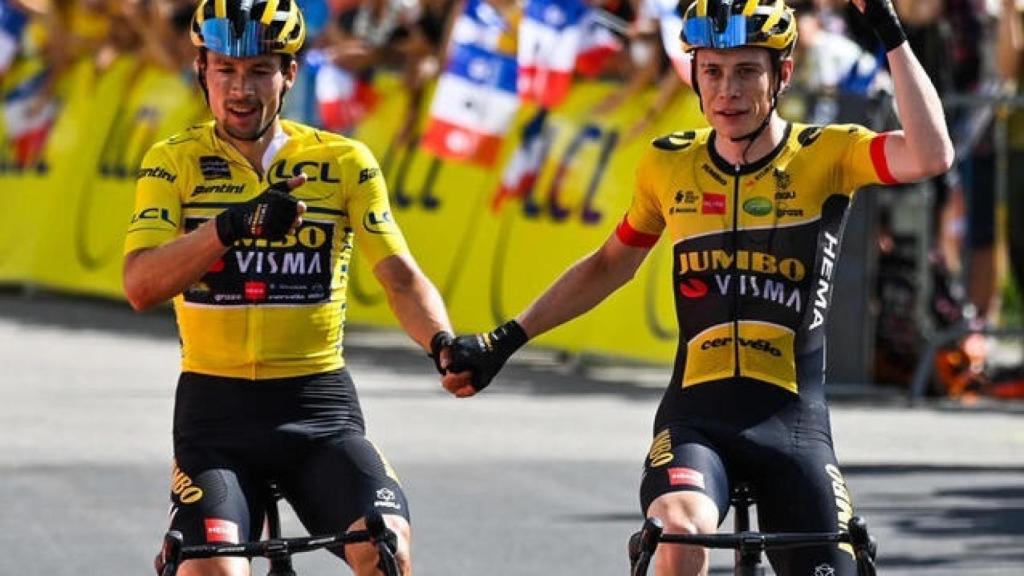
522,170
475,102
12,23
598,44
667,12
28,124
549,39
343,99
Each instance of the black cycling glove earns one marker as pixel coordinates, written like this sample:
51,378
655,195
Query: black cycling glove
440,341
882,16
485,353
267,216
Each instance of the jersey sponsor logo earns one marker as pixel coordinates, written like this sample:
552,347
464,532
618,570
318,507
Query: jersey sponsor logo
386,498
675,141
661,449
255,291
829,253
314,171
685,202
679,476
759,344
824,570
220,530
784,211
766,289
368,174
809,135
844,503
214,168
713,173
378,222
758,206
153,213
201,189
746,260
259,271
713,203
693,288
182,487
156,172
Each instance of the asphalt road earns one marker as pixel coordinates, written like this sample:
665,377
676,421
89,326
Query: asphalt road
537,476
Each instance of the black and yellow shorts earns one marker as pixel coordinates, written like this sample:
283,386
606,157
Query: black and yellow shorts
233,437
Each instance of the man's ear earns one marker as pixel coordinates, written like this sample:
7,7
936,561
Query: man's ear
290,74
785,74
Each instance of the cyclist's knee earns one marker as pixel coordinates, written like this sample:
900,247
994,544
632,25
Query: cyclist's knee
215,567
362,556
685,512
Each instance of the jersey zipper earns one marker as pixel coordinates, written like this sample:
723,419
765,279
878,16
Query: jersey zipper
735,269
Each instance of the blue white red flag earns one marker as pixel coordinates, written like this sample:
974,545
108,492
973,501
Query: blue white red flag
475,102
12,23
343,98
28,117
522,170
549,39
598,44
670,21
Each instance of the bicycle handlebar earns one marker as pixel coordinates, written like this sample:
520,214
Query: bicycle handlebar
642,544
174,552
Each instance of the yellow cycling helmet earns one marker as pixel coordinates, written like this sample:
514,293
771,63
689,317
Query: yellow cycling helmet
723,24
244,28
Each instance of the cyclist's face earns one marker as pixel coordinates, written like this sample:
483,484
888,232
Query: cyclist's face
245,92
736,87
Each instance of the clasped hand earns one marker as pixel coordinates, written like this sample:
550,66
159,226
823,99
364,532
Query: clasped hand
468,363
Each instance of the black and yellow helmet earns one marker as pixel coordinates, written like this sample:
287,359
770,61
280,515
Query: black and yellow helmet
723,24
243,28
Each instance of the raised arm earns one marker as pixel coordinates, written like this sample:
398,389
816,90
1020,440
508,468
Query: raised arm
922,148
1009,42
478,358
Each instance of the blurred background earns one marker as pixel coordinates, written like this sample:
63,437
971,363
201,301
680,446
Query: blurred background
501,187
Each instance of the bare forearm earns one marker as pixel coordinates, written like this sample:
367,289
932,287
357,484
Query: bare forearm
579,289
413,299
1010,42
157,274
921,114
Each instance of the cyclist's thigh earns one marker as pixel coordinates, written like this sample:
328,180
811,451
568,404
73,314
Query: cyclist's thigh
341,481
681,459
213,501
804,491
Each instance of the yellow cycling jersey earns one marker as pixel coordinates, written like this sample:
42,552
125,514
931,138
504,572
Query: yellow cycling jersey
266,309
754,246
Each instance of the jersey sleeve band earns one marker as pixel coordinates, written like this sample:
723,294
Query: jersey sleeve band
631,237
879,160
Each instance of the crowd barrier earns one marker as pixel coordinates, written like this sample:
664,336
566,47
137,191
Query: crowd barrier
63,218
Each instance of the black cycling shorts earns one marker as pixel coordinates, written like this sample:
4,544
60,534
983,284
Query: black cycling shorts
777,442
233,437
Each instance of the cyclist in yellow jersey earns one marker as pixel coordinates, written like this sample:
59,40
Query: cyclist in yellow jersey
754,208
249,223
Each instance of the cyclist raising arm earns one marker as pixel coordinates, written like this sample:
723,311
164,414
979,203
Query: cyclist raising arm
249,222
755,208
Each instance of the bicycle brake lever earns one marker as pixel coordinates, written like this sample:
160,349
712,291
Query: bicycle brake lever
386,541
170,554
